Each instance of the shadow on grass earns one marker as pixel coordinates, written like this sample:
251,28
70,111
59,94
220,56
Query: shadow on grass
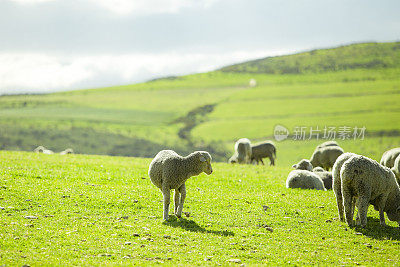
376,231
192,226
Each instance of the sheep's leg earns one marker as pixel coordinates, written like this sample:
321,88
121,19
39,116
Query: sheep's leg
347,203
166,196
182,190
381,205
262,161
176,200
363,204
271,159
358,221
339,200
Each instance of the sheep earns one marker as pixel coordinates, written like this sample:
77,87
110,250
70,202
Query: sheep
303,164
327,143
304,179
325,157
337,181
168,170
242,151
252,83
371,183
262,150
389,157
326,178
67,151
233,159
396,168
42,149
318,169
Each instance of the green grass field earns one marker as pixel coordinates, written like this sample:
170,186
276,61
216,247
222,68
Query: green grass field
355,86
99,210
90,210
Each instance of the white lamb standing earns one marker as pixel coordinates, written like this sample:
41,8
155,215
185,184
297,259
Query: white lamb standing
371,183
168,171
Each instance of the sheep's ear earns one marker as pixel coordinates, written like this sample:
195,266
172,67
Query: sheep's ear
294,166
203,159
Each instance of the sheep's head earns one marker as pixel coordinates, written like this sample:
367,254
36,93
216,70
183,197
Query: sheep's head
205,161
303,165
394,215
233,160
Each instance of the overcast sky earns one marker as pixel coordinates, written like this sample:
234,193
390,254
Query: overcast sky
53,45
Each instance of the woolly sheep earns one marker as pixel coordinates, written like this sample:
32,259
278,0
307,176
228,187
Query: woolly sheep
168,170
325,157
42,149
389,157
326,178
252,83
242,151
67,151
262,150
337,181
327,143
396,168
303,164
373,184
304,179
232,159
318,169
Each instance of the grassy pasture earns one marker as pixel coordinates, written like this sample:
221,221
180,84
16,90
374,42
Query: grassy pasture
98,210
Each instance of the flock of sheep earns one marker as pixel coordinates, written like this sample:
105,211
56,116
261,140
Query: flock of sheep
356,180
42,149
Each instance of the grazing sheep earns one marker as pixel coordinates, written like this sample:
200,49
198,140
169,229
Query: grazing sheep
169,171
252,83
303,164
233,159
42,149
325,157
242,151
67,151
262,150
389,157
337,182
304,179
371,183
318,169
396,168
326,178
327,143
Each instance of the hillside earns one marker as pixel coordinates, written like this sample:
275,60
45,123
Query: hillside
356,56
209,111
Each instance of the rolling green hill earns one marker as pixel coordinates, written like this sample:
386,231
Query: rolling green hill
358,56
209,111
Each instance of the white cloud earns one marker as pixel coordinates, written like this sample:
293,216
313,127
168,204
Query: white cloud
29,73
142,7
125,7
31,2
